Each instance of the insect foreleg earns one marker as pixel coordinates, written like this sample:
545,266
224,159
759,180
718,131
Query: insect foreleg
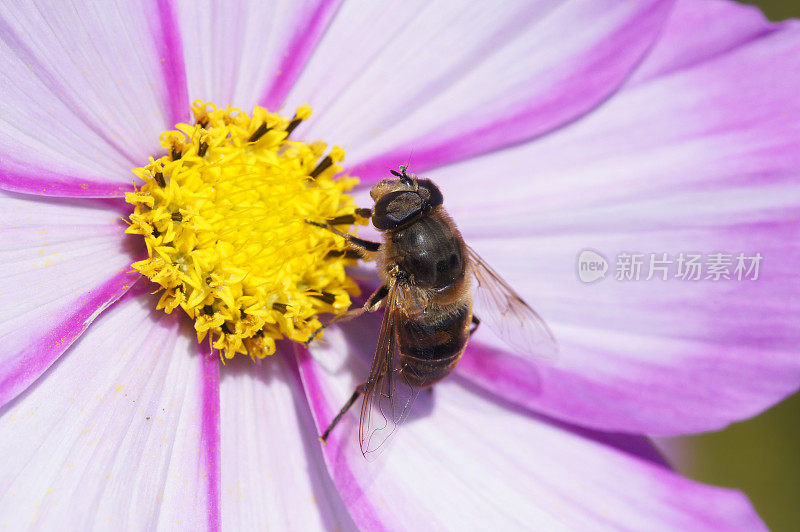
360,243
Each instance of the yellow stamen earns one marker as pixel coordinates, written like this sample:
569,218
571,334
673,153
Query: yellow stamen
222,215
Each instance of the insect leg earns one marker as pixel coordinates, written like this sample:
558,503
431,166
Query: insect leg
475,322
360,243
356,393
350,218
372,304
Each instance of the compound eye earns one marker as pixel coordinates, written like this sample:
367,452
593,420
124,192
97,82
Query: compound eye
430,192
396,209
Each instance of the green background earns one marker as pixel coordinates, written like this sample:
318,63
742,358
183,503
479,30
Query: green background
777,9
761,456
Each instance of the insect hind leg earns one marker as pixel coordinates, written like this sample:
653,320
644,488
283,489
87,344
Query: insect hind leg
356,393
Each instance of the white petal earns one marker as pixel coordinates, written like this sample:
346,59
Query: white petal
111,436
62,263
87,89
273,473
440,81
249,52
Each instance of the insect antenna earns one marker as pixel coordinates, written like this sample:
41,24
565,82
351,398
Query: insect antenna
403,175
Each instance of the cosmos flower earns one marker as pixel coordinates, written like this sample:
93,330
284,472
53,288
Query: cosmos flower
551,127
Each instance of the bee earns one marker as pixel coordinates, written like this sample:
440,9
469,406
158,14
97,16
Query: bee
429,298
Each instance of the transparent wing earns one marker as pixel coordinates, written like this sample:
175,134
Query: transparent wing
387,394
497,305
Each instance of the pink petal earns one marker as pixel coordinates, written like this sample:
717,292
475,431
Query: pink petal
426,82
698,31
87,91
111,437
703,158
464,460
62,263
247,53
273,473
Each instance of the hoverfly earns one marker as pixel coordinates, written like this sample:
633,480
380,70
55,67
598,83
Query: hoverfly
428,297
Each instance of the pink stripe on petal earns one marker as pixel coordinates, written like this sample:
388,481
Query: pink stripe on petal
210,435
45,183
172,65
27,365
298,50
336,457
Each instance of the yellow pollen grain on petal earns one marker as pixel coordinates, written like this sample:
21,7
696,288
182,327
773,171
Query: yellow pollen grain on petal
223,217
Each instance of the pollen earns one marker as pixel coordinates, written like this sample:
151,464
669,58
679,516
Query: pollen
223,215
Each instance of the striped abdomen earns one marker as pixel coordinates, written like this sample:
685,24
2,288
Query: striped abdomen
432,343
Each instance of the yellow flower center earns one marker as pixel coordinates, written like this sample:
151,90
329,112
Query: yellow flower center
223,218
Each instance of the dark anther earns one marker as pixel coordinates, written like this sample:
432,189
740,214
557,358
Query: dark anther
259,333
176,154
280,307
203,123
202,149
363,212
292,125
208,309
176,217
341,220
159,177
156,232
325,297
226,329
258,133
322,166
